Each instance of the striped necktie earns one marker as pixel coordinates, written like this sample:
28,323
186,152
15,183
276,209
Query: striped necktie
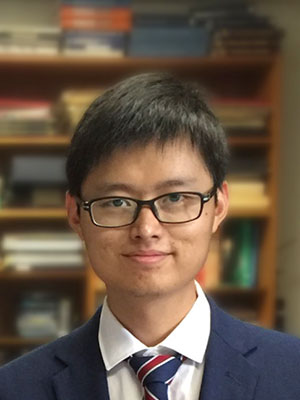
155,374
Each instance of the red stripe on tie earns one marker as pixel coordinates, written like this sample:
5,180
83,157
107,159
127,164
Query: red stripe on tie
152,364
149,395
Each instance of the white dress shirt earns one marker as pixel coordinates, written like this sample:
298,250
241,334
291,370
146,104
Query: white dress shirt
189,338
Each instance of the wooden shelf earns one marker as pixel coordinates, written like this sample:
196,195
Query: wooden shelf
105,63
226,290
32,213
64,140
34,141
7,214
39,76
16,341
249,141
53,274
249,212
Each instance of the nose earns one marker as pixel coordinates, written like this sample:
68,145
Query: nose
146,225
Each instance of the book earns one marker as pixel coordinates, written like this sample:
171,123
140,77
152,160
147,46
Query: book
248,193
209,276
239,249
161,20
242,116
264,52
165,7
110,25
246,33
25,117
217,4
25,261
43,314
29,171
168,42
97,13
25,39
97,3
72,104
41,242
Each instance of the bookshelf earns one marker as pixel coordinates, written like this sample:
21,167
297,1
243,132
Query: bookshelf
46,77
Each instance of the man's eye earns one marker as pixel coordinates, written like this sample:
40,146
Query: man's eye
118,203
174,197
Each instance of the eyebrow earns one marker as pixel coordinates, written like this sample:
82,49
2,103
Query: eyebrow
126,187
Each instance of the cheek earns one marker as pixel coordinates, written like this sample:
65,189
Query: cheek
101,244
193,241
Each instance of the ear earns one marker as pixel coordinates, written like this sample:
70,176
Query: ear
73,214
221,208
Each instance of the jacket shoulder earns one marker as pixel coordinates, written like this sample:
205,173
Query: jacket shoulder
31,372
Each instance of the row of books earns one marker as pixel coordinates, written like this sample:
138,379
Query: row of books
34,181
119,28
71,106
43,314
41,250
26,117
233,257
40,117
44,40
247,189
243,116
236,28
95,28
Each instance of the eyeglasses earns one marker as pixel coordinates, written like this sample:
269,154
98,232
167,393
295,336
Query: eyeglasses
169,208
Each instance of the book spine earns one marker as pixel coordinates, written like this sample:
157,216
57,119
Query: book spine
98,3
68,12
98,25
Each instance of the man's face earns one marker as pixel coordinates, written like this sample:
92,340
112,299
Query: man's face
149,258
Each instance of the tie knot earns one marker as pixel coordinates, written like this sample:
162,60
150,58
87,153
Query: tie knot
155,373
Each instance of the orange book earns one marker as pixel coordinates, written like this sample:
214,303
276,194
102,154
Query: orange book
69,12
209,276
97,24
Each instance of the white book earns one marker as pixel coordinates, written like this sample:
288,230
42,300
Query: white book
57,242
27,261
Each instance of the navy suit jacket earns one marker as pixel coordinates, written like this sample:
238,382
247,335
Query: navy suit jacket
243,362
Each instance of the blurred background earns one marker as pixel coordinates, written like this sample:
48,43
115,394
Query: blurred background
56,57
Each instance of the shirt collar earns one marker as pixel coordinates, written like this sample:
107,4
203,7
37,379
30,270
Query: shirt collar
189,338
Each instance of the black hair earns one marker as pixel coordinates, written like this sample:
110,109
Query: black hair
149,107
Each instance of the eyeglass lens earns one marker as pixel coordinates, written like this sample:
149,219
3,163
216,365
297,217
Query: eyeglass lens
173,207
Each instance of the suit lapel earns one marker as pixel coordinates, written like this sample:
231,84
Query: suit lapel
228,375
83,376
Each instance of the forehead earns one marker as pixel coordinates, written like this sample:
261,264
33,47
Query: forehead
148,167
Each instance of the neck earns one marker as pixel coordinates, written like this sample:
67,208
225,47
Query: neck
151,318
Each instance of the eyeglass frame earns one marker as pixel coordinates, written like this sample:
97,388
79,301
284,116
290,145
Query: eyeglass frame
205,197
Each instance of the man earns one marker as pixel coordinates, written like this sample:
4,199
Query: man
147,190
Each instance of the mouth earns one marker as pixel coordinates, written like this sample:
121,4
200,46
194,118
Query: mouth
147,257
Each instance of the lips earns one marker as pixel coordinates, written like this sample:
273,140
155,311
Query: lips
147,257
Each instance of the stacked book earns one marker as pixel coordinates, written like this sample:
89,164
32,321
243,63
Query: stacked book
247,182
239,253
164,30
95,27
210,275
243,116
43,314
248,193
236,28
29,40
71,106
41,250
26,117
